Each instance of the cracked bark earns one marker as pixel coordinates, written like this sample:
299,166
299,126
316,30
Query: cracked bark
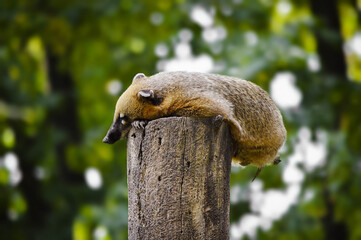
178,179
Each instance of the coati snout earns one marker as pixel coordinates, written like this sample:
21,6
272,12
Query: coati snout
119,129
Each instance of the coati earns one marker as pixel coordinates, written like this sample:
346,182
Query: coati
255,122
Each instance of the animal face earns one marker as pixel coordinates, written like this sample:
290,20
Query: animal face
119,129
138,102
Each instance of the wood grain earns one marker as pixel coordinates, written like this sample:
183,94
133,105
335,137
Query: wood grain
178,179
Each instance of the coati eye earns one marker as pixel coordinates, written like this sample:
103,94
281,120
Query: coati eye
122,118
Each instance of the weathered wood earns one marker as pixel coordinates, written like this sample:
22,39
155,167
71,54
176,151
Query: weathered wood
178,179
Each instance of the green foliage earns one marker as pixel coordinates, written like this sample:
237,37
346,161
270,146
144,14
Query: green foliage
58,60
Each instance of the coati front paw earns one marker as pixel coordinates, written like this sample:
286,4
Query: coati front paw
139,124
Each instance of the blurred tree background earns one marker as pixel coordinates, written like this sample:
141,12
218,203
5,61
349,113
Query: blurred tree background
63,64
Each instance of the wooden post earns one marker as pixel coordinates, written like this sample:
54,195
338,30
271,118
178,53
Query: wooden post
178,179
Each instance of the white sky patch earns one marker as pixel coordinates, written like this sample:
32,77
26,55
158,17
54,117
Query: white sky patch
304,134
292,174
184,59
356,44
267,207
271,205
161,50
100,233
185,35
114,86
235,194
284,148
202,17
93,178
295,157
274,204
203,63
284,7
251,38
11,163
284,91
313,153
313,63
214,34
16,177
183,50
293,193
256,185
353,45
248,225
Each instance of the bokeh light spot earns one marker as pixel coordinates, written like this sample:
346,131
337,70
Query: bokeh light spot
93,178
114,86
284,7
156,18
8,138
201,16
137,45
161,50
284,91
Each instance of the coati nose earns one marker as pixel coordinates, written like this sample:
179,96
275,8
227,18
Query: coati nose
111,138
106,139
113,134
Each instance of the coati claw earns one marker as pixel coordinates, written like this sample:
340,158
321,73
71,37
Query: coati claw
277,160
139,124
143,124
136,124
217,120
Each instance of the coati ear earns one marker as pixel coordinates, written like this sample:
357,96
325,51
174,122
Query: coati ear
149,94
138,75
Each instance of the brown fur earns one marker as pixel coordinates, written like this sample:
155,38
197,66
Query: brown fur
255,121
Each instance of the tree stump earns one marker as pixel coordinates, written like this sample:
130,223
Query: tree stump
178,179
